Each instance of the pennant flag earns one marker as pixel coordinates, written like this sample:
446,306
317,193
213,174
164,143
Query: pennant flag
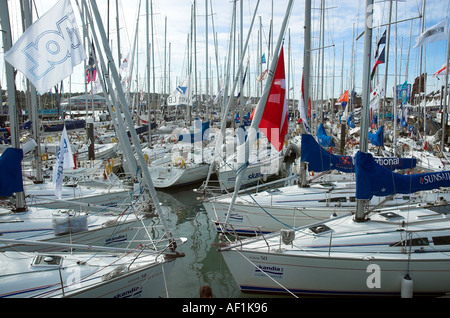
380,42
274,121
64,160
437,32
49,49
379,61
263,59
91,72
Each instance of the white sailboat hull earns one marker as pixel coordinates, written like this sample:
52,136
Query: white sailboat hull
108,230
344,257
44,195
170,176
292,206
83,276
335,275
255,172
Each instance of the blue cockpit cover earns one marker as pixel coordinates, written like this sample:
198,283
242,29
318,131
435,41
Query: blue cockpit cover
375,180
321,160
11,172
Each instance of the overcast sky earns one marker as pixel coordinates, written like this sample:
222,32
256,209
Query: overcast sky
343,18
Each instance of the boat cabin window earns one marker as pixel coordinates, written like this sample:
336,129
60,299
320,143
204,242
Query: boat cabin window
319,228
421,241
47,260
441,240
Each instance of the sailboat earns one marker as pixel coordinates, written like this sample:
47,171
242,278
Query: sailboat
135,274
101,271
187,162
397,251
393,252
298,205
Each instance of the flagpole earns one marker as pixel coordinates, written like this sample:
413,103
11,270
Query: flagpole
243,150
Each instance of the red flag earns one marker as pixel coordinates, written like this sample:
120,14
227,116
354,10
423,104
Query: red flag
274,121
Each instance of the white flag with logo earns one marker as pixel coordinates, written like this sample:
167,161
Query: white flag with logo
49,49
64,160
181,95
437,32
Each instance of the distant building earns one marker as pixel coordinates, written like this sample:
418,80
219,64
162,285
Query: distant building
79,102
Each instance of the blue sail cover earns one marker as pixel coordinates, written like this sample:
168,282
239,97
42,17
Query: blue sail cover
377,139
323,138
321,160
11,172
375,180
198,136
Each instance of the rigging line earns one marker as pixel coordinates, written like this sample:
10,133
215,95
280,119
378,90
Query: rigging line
268,213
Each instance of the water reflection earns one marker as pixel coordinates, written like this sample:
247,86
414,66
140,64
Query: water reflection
202,264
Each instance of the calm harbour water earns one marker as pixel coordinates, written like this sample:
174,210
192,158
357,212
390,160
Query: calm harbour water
202,263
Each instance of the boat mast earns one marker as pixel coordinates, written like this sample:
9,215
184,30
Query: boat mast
446,98
116,117
11,90
206,62
368,23
244,150
226,109
34,112
306,72
388,39
125,110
